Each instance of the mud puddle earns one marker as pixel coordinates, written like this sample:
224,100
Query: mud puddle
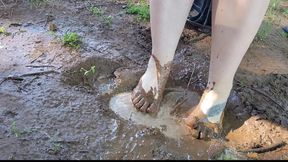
66,115
169,125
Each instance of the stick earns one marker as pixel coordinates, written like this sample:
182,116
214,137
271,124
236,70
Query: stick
3,3
265,149
39,73
37,58
183,98
260,92
20,77
39,66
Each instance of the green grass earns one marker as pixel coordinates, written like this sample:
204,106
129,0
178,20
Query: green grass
56,147
284,12
2,30
273,11
284,34
72,40
107,20
272,16
99,12
140,9
88,73
14,130
96,11
37,3
264,31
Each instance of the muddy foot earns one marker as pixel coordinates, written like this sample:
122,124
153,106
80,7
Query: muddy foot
149,100
200,126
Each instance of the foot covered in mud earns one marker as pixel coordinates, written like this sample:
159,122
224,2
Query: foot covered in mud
206,125
147,95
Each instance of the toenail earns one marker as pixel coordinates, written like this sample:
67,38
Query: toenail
140,103
144,107
137,99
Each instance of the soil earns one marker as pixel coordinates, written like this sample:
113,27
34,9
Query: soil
65,115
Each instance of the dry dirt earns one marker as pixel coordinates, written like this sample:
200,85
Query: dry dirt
63,115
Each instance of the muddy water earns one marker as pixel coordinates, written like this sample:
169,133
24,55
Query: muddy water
65,115
169,125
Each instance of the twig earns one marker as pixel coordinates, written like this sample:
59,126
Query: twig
39,73
262,93
191,76
3,3
37,58
11,78
20,77
265,149
183,98
179,102
39,66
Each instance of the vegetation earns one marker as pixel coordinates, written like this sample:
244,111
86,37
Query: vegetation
107,20
17,132
273,15
56,147
99,12
96,11
2,30
140,9
72,40
38,3
264,30
88,73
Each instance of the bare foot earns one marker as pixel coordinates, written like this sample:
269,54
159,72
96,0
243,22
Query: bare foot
147,95
209,124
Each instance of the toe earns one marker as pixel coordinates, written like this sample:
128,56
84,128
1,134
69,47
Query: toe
144,107
140,103
152,108
137,99
135,94
190,122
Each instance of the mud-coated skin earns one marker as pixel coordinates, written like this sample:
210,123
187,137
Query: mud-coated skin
147,102
201,128
199,124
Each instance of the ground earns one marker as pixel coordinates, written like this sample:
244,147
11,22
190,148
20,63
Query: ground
62,113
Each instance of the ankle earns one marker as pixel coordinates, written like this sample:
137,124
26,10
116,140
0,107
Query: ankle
213,103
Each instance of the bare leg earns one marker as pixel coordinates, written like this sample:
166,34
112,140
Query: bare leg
168,18
235,24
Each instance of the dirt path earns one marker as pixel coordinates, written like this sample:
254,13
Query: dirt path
63,115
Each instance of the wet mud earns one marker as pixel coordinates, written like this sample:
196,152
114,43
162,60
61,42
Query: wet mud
66,114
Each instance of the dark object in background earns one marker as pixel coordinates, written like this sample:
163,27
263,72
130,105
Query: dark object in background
200,16
285,29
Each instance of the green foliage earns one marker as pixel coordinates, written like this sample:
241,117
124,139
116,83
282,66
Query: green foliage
38,3
273,11
2,30
285,12
17,132
88,73
56,147
96,11
140,9
72,40
264,30
107,20
99,12
284,34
